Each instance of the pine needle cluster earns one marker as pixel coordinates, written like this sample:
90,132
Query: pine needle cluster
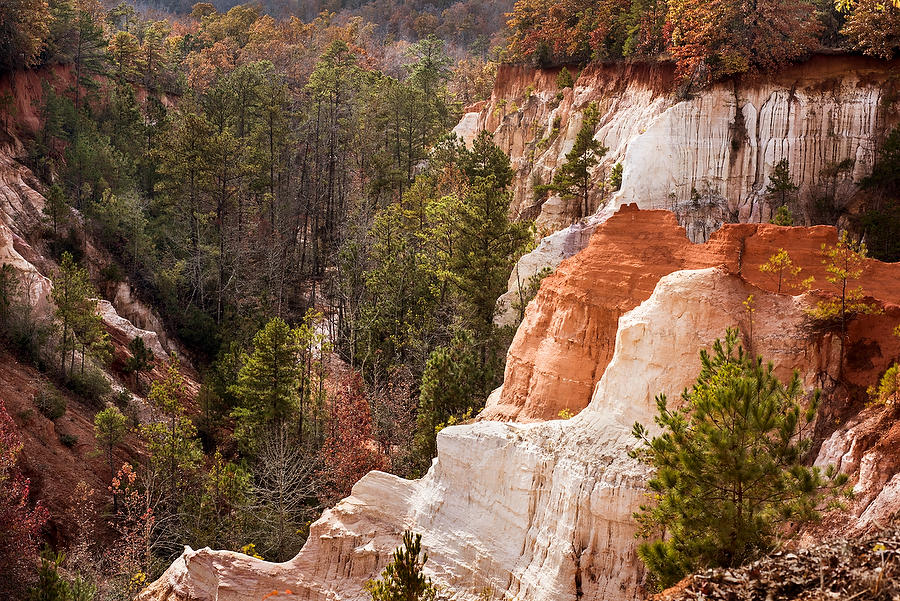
728,466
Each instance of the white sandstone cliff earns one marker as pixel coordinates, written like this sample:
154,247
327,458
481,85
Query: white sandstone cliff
708,157
534,512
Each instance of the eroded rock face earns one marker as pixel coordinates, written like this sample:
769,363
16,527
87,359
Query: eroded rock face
564,344
707,157
538,511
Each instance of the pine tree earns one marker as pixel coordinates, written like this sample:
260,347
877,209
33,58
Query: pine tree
573,178
56,208
109,430
729,469
269,380
72,292
50,585
780,265
92,337
488,243
844,262
451,385
781,186
782,217
881,220
564,79
174,450
403,579
141,359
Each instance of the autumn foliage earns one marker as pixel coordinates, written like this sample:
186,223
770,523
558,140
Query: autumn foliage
350,450
20,522
714,39
707,40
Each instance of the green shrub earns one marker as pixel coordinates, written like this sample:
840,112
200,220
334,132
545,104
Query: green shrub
121,399
615,177
564,79
50,403
782,216
728,471
69,440
888,390
91,386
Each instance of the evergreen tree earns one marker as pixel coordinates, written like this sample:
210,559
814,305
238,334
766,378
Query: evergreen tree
881,221
782,217
573,178
488,243
72,292
615,177
125,52
171,438
780,186
109,430
451,385
564,79
885,174
429,75
141,359
781,265
844,262
92,337
269,380
56,208
50,585
729,466
403,579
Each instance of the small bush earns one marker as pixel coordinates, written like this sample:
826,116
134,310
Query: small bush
888,390
564,79
69,440
90,386
50,403
112,273
121,399
615,177
782,217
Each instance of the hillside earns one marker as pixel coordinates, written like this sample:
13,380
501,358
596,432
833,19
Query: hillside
380,300
543,510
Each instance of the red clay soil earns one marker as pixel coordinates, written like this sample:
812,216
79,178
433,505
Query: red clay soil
55,469
568,335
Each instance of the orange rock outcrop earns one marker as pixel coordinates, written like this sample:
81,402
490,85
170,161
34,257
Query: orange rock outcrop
568,335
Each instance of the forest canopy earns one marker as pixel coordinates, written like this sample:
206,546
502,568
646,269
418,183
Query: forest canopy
707,40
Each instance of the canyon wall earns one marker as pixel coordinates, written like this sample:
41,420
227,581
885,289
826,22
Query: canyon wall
706,156
58,455
562,347
543,510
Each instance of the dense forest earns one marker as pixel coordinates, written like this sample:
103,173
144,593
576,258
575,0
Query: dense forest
707,40
277,181
286,195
